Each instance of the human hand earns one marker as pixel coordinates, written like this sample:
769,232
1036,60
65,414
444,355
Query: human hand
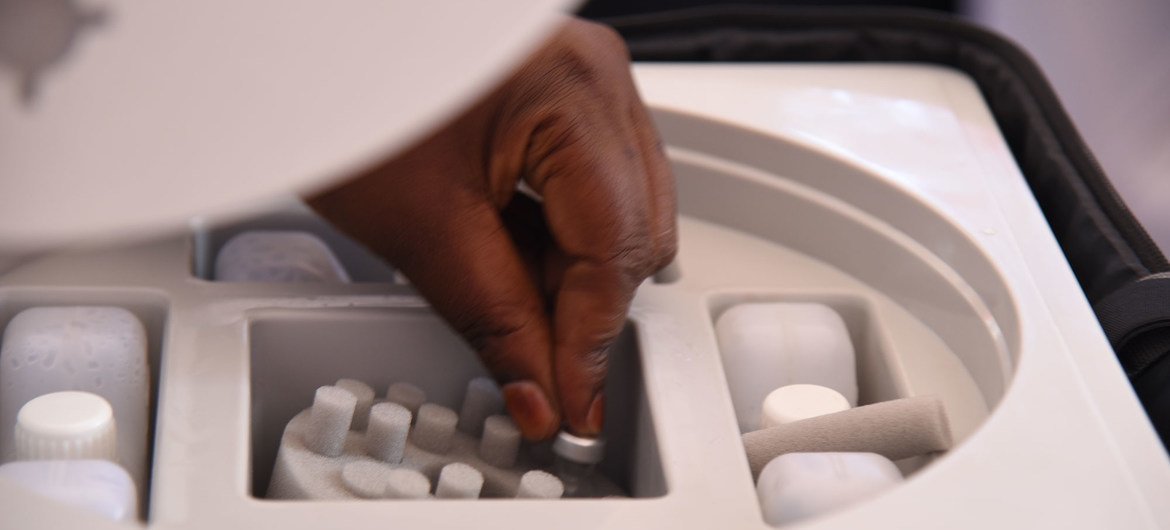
540,289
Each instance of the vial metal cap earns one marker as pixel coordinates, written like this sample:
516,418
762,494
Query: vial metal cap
579,449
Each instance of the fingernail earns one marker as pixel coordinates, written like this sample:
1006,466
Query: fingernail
530,409
595,418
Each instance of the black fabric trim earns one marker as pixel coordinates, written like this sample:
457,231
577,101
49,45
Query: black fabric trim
1136,318
1105,245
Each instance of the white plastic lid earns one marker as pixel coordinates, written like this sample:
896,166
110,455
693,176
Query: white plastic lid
66,425
798,402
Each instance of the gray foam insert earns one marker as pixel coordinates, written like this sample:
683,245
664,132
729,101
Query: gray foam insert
896,429
355,471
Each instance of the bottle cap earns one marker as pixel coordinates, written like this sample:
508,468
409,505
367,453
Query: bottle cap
798,402
66,425
579,449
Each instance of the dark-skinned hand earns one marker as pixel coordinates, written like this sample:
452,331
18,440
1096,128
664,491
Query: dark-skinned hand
539,288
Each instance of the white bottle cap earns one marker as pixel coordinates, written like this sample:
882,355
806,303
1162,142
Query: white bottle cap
66,425
797,402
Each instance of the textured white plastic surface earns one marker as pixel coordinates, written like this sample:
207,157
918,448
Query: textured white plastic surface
797,486
797,402
882,191
97,486
66,425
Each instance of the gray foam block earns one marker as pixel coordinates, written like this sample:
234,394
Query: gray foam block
434,428
895,429
538,484
459,481
386,435
330,417
500,442
482,399
365,478
407,484
407,395
365,398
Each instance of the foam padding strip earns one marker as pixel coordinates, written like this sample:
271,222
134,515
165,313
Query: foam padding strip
895,429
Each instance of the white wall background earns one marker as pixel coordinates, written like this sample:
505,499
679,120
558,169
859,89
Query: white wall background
1110,63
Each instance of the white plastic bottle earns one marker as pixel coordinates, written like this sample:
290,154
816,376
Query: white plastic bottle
765,346
66,443
102,350
797,486
99,486
278,256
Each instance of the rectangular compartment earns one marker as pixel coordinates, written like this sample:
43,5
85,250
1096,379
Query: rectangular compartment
294,352
877,374
150,307
361,264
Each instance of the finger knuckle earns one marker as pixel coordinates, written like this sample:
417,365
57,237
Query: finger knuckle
632,257
609,38
594,363
487,329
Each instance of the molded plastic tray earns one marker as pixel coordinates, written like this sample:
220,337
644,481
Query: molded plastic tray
883,191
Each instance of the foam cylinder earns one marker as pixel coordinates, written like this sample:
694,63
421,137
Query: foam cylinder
800,485
482,399
387,432
365,478
501,441
895,429
538,484
765,346
329,420
405,483
407,395
365,399
459,481
435,428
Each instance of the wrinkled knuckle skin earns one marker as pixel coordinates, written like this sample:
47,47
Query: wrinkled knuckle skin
571,68
594,364
589,361
632,257
487,330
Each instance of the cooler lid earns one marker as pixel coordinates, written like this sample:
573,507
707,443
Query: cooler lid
123,117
